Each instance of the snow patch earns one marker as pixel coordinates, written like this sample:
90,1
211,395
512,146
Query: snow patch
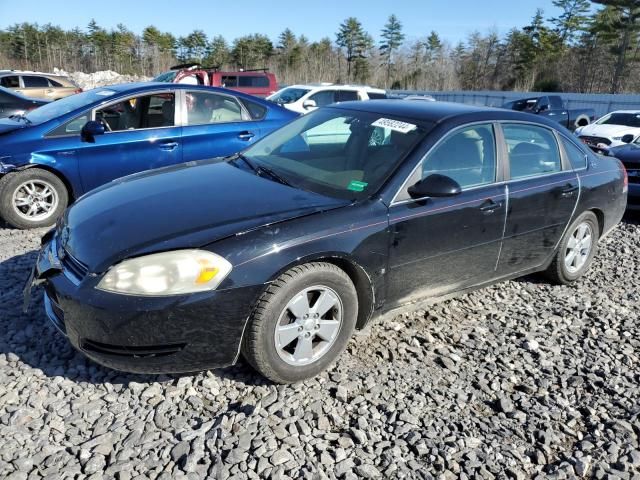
87,81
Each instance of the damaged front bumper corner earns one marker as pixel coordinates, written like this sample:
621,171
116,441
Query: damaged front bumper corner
6,167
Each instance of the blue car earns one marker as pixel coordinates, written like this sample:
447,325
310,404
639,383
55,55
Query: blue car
54,154
629,155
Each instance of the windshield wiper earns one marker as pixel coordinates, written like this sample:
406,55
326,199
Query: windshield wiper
259,169
21,117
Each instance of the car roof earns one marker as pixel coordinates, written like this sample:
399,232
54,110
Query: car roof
439,111
332,86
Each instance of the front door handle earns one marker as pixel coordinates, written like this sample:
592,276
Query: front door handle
489,206
246,135
569,190
168,146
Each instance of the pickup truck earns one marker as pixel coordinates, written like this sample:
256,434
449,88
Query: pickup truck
553,107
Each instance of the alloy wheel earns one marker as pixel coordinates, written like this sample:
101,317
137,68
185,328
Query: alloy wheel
578,248
35,200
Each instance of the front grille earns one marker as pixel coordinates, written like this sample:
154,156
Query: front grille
135,351
594,141
75,267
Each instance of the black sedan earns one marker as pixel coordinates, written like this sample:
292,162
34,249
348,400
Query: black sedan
13,103
629,155
352,211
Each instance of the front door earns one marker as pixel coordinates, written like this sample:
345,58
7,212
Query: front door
439,245
215,125
543,191
141,134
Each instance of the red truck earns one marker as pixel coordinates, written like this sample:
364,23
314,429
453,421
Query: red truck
257,82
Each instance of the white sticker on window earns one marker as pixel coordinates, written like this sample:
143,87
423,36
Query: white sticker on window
105,93
395,125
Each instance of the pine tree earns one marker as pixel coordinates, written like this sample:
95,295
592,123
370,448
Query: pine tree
392,38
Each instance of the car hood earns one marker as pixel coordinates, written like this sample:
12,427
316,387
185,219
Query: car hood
627,153
184,206
608,131
7,125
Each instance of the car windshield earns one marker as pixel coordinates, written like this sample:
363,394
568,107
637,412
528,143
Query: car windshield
68,104
340,153
626,119
288,95
166,76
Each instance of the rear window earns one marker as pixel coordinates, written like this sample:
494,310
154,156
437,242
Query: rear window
34,82
253,81
10,81
256,111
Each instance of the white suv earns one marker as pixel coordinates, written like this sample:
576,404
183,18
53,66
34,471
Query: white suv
306,98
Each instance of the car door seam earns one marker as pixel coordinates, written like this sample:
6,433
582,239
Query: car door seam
504,224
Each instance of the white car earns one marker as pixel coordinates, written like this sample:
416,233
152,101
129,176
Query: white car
306,98
612,130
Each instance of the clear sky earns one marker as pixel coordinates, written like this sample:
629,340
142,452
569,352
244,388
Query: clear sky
452,19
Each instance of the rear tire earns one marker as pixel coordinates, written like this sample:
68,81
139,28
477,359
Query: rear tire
285,339
576,250
32,198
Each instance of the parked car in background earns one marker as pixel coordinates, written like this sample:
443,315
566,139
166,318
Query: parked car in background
553,107
629,155
13,103
307,98
46,86
424,98
281,251
54,154
259,83
613,130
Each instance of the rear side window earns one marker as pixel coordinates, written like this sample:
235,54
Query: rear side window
53,83
468,156
577,156
253,81
256,111
346,96
10,81
532,150
34,82
556,102
325,97
229,81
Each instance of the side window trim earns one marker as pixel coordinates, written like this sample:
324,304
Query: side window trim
136,95
499,179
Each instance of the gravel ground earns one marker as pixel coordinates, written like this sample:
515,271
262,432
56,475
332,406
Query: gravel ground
519,380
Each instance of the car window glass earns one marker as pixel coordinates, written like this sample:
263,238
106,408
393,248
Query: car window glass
556,102
205,108
229,81
147,111
325,97
31,81
256,111
346,154
70,127
376,96
346,95
532,150
467,156
53,83
253,81
10,81
577,156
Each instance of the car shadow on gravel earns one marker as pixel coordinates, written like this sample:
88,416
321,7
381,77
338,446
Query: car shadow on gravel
31,339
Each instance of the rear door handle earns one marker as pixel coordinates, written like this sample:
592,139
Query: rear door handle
246,135
489,206
569,190
168,146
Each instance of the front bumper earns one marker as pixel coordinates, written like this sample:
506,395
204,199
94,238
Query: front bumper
149,334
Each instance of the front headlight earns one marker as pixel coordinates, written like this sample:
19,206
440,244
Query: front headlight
167,273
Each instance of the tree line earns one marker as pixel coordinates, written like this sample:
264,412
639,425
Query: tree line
589,47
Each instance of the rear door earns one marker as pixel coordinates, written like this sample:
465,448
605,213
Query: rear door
142,134
36,86
543,191
215,125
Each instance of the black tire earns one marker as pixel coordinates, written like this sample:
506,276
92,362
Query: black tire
258,345
12,182
558,272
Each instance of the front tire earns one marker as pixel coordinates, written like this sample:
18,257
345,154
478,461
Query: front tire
576,250
301,323
32,198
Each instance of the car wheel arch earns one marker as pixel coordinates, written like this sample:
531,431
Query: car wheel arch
600,217
359,276
53,171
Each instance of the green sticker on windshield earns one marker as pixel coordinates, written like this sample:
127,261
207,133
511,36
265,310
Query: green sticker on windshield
357,186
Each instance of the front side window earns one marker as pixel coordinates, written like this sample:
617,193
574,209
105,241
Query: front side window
146,111
339,153
346,96
323,98
205,108
468,156
10,81
532,150
577,156
31,81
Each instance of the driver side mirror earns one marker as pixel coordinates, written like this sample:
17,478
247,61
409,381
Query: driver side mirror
628,138
435,185
307,104
90,130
